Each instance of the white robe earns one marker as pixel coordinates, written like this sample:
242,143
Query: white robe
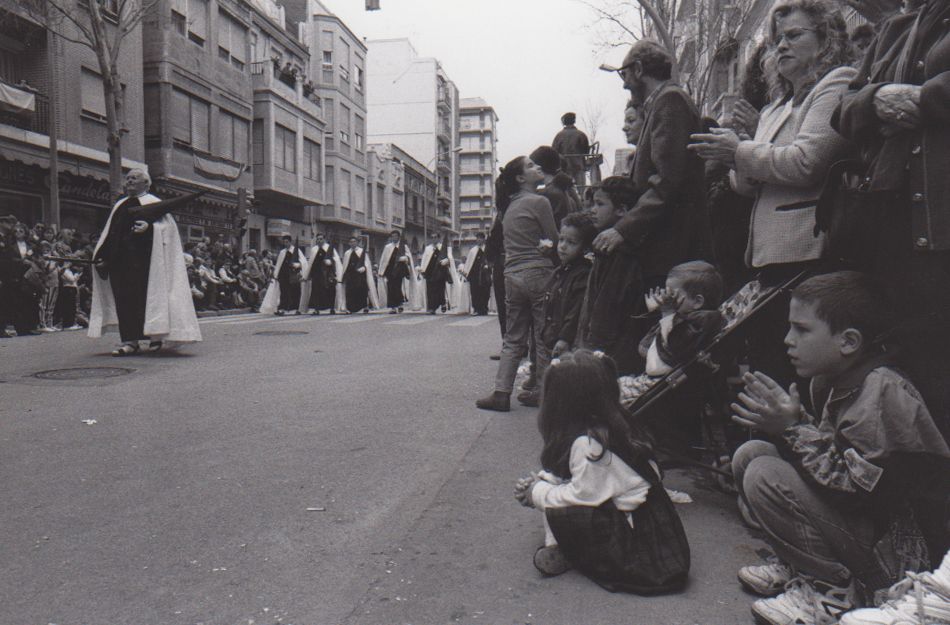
272,296
169,307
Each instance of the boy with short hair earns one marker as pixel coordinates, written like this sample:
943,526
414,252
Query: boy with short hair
615,289
564,294
831,485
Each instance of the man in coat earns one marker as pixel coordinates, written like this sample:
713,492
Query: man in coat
140,283
288,271
478,273
668,225
572,144
325,270
395,266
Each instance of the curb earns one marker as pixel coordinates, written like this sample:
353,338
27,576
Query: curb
223,313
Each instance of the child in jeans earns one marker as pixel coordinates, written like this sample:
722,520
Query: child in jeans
605,510
828,486
614,300
564,293
690,319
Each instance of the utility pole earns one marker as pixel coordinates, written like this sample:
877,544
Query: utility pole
54,213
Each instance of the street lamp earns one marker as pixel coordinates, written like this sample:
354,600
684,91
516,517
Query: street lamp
425,216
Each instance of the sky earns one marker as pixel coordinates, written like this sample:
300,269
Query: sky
532,60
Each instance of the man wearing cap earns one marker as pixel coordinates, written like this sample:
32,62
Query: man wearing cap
668,224
572,144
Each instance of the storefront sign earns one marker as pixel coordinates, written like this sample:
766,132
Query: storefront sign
20,176
205,222
84,188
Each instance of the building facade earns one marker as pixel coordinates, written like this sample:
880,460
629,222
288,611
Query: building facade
478,161
47,81
385,194
419,199
415,105
338,74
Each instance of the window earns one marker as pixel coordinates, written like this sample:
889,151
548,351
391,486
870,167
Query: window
232,39
285,148
360,132
258,138
232,137
190,120
380,201
328,58
328,191
359,78
311,160
344,188
344,124
93,98
190,18
254,58
329,108
360,198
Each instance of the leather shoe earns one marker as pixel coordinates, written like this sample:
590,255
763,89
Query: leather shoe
531,383
530,398
497,401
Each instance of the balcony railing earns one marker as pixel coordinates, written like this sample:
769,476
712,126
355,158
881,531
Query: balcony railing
36,120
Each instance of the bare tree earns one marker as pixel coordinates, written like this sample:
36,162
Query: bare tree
699,34
102,26
593,118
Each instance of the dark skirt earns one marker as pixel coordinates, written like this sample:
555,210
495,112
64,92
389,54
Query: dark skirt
650,558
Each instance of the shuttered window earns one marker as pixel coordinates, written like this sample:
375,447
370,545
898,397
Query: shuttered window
93,98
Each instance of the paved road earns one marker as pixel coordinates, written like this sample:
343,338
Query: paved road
187,500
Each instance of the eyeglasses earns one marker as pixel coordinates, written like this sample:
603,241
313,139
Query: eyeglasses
620,70
792,35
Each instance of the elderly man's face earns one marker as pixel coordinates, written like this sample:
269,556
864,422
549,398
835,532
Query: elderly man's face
136,182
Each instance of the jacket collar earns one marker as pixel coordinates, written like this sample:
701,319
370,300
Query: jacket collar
850,380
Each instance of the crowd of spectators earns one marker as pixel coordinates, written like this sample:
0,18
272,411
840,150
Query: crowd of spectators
41,291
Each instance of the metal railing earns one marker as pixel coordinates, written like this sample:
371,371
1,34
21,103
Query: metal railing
36,121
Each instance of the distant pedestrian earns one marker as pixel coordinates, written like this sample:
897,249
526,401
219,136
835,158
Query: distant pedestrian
477,271
573,145
435,267
397,272
325,270
606,512
358,282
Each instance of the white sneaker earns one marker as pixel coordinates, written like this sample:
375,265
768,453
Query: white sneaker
765,580
803,603
918,599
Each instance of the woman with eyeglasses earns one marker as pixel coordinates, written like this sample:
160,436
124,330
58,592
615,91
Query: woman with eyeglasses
784,166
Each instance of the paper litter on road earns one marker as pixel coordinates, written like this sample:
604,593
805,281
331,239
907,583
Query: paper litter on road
678,496
316,509
90,421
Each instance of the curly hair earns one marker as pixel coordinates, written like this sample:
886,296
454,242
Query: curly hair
831,31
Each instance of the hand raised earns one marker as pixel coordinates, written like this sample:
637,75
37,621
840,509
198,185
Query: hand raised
765,406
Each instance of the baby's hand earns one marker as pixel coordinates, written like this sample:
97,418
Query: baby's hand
651,298
668,301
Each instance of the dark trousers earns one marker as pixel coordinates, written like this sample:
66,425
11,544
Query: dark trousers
322,294
66,305
435,293
357,292
394,296
20,302
289,295
481,292
128,275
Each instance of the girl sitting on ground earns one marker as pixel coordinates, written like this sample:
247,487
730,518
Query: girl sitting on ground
606,511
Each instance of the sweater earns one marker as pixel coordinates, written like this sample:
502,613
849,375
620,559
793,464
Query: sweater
529,219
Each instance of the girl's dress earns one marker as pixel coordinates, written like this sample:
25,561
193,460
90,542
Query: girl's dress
614,521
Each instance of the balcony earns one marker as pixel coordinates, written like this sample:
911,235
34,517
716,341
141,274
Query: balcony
267,77
444,164
443,101
20,110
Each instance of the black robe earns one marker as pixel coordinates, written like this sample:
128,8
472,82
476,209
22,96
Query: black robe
128,257
323,280
395,272
479,280
437,276
289,280
357,288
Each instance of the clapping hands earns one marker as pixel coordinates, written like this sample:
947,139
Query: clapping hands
666,300
765,406
523,490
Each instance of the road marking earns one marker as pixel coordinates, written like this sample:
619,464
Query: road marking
231,318
472,321
411,321
357,318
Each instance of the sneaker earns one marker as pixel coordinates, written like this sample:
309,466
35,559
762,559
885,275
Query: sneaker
804,602
918,599
765,580
551,561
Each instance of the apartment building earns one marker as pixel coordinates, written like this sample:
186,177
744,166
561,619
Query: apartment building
48,81
415,105
478,162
